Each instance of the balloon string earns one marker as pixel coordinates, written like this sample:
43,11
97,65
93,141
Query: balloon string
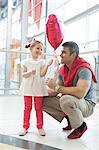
56,66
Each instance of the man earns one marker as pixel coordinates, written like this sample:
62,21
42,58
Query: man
76,83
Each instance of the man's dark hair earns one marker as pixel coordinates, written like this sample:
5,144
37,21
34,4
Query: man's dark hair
73,47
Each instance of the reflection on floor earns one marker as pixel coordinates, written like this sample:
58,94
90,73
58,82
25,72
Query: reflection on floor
27,145
9,147
11,113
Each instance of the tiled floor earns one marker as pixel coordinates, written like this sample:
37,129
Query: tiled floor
11,112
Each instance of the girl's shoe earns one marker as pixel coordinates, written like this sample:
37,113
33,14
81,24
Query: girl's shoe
23,132
41,132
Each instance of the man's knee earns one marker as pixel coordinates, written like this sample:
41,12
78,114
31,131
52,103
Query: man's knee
66,102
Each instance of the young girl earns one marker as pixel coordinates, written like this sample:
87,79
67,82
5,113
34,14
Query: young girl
34,86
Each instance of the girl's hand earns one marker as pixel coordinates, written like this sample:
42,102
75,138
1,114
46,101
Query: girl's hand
50,62
33,72
56,61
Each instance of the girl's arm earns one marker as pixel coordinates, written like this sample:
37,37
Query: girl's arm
27,74
44,69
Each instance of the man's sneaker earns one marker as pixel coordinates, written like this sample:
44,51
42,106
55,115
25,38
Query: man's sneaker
23,132
68,127
41,132
77,133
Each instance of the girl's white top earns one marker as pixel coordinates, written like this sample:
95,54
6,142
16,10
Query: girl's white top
35,84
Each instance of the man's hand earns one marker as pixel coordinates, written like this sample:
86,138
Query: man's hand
51,92
51,83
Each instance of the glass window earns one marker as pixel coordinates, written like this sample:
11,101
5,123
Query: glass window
76,31
71,8
93,26
92,2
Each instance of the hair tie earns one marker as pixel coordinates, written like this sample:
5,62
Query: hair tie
27,46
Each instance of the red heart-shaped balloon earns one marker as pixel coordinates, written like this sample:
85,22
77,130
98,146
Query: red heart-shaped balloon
54,31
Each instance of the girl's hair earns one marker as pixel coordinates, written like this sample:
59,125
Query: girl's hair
33,43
